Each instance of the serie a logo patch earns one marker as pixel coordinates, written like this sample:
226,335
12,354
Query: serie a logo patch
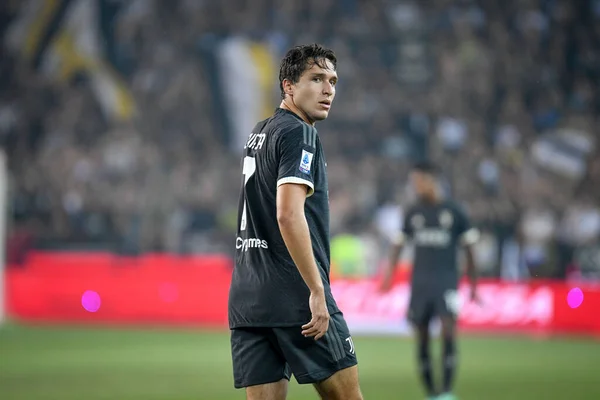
306,161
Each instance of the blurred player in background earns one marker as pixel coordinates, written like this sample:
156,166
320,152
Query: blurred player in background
437,227
282,315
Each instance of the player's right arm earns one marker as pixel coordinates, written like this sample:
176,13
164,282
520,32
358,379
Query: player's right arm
469,236
395,251
295,183
390,268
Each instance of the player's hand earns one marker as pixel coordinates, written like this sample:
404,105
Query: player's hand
386,283
475,297
318,325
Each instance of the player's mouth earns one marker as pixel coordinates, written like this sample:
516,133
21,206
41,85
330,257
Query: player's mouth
326,104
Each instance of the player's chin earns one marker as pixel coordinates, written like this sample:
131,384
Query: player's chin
320,115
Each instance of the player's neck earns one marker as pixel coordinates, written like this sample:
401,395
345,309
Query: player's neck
290,106
432,199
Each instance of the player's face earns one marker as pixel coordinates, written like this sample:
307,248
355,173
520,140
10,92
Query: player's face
314,92
424,184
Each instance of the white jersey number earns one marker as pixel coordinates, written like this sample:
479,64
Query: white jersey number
248,170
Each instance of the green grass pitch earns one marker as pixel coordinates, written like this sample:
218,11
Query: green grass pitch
62,363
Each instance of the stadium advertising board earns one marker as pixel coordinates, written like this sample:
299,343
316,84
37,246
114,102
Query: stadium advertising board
165,289
506,307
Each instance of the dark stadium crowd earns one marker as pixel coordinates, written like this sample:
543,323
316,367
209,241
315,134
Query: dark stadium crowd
503,95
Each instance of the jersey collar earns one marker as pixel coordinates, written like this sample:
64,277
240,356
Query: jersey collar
280,110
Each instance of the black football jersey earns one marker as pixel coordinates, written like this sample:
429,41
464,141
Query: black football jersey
437,232
267,289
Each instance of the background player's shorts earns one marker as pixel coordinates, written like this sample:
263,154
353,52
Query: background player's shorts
265,355
424,306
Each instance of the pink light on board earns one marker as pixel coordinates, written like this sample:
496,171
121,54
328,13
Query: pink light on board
91,301
575,297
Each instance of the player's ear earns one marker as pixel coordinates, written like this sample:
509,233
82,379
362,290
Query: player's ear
288,87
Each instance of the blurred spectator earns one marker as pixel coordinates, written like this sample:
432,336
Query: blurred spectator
504,95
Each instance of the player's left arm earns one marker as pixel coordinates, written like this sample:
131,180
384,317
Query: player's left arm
468,236
398,243
471,270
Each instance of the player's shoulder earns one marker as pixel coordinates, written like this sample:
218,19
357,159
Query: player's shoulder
285,122
270,130
289,129
260,126
276,123
411,209
454,206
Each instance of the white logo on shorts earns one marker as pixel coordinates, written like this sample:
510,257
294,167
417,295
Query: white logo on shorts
351,342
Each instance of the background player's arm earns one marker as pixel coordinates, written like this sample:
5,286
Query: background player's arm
395,251
469,236
471,270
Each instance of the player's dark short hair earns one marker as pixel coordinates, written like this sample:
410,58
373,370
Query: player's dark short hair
300,58
426,167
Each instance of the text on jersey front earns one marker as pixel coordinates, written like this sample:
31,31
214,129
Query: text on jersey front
250,243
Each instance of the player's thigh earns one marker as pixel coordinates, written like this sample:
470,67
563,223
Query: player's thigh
313,361
420,311
447,308
421,332
257,359
268,391
343,385
448,326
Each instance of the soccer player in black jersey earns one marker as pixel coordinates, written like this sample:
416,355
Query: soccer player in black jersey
282,315
437,227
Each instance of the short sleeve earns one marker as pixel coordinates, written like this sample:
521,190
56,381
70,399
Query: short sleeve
297,153
406,229
468,234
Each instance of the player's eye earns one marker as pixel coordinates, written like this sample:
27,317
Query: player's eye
333,82
317,79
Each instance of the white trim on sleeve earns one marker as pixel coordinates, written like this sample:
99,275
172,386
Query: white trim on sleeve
399,238
299,181
470,237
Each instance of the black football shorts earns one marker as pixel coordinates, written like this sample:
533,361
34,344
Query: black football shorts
424,306
266,355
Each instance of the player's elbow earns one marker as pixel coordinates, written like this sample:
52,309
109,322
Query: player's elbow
288,216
